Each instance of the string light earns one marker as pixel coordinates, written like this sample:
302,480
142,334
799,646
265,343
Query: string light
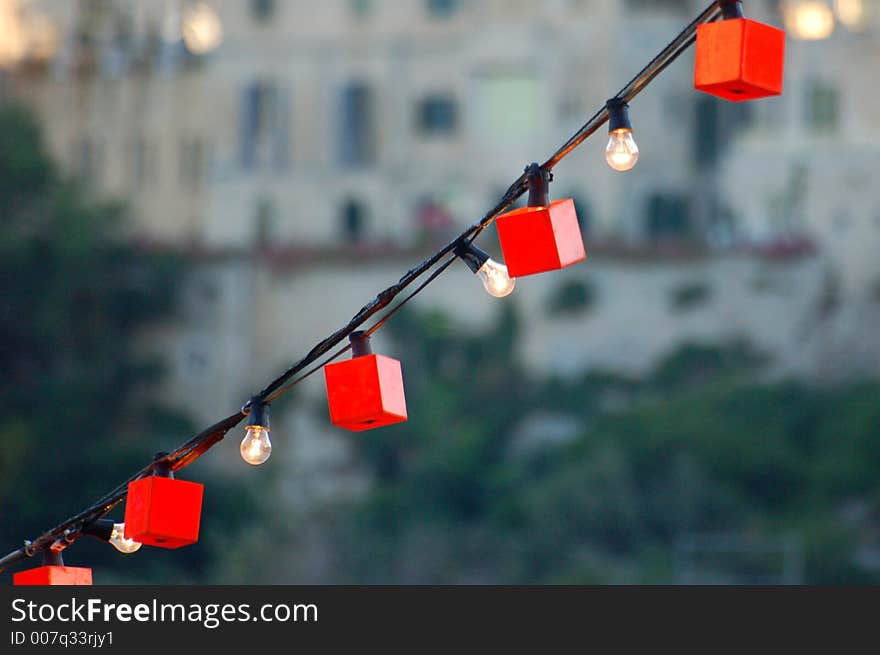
165,512
622,153
365,392
493,275
256,447
161,510
543,236
113,534
739,59
53,572
120,543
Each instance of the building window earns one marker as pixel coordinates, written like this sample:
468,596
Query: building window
716,122
262,10
143,163
264,127
823,107
707,141
353,218
582,207
193,158
437,115
441,8
356,140
509,107
571,297
571,103
88,160
360,8
196,360
841,221
668,217
433,217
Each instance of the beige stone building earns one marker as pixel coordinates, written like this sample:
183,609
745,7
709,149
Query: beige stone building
234,122
314,124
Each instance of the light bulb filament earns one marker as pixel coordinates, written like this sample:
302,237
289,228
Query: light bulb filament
496,279
120,543
256,446
622,152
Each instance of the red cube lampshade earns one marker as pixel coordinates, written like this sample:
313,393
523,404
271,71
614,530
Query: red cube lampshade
739,59
365,392
53,575
539,239
161,511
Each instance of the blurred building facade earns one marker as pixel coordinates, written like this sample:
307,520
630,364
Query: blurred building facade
305,152
238,122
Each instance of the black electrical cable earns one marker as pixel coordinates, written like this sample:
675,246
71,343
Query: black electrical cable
369,332
669,54
70,529
403,302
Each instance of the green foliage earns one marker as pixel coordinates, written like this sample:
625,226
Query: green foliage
27,170
693,364
77,417
697,447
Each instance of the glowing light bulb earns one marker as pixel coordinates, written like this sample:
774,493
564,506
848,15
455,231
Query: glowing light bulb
809,20
496,280
622,152
201,28
120,543
494,276
256,446
13,37
851,13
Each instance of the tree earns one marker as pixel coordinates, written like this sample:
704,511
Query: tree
77,396
701,446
